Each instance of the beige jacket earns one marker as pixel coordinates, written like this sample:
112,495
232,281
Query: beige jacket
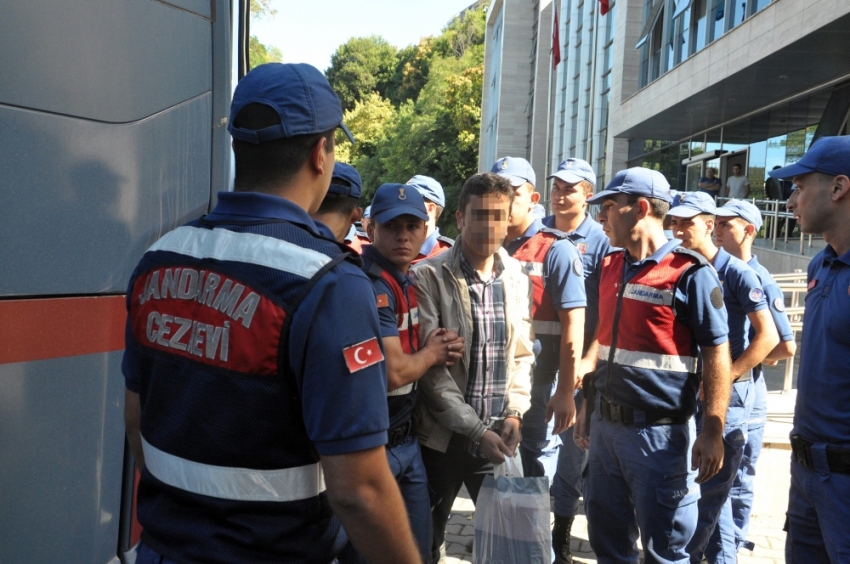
443,297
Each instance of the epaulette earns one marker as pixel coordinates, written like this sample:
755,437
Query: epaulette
556,232
448,240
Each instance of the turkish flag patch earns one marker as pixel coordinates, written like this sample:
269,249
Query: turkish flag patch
383,300
363,355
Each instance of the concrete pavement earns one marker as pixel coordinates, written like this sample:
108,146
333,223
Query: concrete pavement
771,490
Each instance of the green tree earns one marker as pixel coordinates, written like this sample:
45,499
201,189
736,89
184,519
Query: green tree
360,66
259,53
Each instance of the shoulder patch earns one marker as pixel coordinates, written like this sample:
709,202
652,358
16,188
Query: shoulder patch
362,355
383,300
578,267
717,297
779,304
756,295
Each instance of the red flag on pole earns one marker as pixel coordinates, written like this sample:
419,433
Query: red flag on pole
603,7
556,41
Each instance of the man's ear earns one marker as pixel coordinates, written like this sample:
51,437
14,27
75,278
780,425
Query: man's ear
643,207
356,214
370,230
319,157
535,198
459,219
750,230
841,187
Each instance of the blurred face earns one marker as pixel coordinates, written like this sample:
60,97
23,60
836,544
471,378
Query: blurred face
618,219
569,199
525,198
483,224
730,233
399,239
736,170
709,172
810,202
692,230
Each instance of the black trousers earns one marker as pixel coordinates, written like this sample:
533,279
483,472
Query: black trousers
447,472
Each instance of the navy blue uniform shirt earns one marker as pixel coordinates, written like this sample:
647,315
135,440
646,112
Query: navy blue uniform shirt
343,411
775,303
742,294
823,383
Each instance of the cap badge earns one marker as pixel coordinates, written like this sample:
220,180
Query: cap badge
401,194
504,164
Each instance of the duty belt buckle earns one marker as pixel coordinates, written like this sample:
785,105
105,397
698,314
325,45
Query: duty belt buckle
616,413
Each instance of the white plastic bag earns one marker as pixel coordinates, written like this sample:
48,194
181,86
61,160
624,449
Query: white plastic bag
512,518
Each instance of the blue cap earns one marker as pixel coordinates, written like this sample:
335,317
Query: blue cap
638,181
743,209
676,198
300,95
349,174
515,169
367,213
393,200
692,204
429,188
573,171
829,155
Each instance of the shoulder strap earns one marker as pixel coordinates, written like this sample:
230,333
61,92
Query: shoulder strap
445,239
553,231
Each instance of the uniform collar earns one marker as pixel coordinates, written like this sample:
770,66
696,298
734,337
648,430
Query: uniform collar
829,255
352,233
584,229
532,230
754,262
721,261
371,255
657,255
254,205
430,242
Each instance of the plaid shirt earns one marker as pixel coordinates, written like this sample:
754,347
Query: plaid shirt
487,384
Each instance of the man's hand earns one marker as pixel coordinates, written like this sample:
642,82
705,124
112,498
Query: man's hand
510,433
707,454
493,447
580,435
563,407
445,345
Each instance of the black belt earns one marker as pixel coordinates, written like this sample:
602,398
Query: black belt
626,415
837,458
398,435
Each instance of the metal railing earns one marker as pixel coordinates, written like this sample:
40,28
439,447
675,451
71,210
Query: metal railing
794,284
773,212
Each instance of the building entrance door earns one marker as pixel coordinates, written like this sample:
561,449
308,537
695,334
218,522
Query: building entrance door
729,160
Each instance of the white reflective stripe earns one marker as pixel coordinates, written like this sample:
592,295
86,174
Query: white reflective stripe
532,268
222,244
405,318
243,484
648,294
650,361
546,327
403,391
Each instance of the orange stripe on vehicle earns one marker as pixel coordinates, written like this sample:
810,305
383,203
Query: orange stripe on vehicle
41,329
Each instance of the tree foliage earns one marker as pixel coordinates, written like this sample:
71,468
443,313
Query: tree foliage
418,112
259,53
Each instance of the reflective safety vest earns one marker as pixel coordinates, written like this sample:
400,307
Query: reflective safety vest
230,473
648,358
401,401
547,326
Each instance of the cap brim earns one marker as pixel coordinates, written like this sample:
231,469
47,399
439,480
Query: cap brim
348,134
685,211
516,181
568,177
727,213
602,195
789,171
386,215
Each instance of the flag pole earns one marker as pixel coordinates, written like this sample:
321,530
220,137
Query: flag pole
549,145
592,102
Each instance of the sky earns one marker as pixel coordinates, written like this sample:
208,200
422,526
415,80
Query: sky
310,31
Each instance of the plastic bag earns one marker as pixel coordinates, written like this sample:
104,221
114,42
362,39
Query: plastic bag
512,518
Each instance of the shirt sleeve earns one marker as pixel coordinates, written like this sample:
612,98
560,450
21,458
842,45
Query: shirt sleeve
563,276
703,308
344,406
776,303
746,287
386,308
